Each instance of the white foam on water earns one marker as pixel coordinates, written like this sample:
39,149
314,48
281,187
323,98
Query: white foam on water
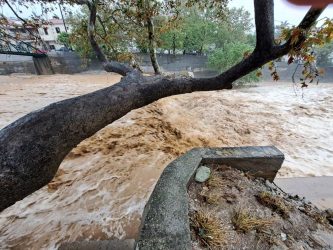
101,188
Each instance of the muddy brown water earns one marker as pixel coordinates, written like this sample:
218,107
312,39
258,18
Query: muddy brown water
100,189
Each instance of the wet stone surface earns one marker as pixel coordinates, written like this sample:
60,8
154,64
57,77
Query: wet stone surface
202,174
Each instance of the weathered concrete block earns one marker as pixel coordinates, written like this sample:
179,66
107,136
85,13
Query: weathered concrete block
43,65
262,162
127,244
165,222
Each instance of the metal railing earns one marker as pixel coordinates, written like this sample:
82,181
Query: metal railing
11,46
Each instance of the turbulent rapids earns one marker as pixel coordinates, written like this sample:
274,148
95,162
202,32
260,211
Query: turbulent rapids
101,187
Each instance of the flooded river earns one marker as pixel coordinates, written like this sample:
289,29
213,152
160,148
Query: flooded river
101,187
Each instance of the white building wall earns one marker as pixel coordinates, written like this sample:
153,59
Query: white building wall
51,38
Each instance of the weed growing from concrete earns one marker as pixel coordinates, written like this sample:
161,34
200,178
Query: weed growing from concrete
208,228
215,181
274,202
244,222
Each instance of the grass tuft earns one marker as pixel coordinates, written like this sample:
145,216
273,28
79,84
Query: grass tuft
230,197
211,197
274,202
244,222
215,181
208,228
318,216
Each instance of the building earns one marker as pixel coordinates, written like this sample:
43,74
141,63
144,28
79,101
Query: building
49,33
15,36
40,36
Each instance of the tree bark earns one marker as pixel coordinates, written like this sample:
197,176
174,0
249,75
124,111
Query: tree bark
264,24
109,66
152,46
32,148
174,44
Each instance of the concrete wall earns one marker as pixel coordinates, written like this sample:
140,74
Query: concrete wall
43,65
70,63
66,62
165,222
9,67
62,63
170,63
175,63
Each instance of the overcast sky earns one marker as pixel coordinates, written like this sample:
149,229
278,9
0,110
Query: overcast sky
284,11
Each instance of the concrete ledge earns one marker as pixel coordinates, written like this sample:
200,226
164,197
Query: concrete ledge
165,222
99,245
262,162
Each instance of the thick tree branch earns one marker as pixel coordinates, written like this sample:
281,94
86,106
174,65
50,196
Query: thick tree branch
310,18
152,45
118,23
82,2
264,19
109,66
265,51
15,13
102,24
91,33
308,21
32,148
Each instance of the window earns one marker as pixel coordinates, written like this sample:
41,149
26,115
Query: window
57,30
45,31
52,47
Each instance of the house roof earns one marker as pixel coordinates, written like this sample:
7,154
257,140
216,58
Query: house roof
56,21
15,23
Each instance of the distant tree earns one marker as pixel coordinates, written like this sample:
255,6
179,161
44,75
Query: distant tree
113,39
280,27
140,17
202,30
196,30
325,55
223,58
78,37
63,38
172,40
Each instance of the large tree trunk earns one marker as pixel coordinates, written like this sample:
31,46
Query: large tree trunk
32,148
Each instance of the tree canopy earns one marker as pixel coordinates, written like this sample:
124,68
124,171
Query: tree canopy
195,27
